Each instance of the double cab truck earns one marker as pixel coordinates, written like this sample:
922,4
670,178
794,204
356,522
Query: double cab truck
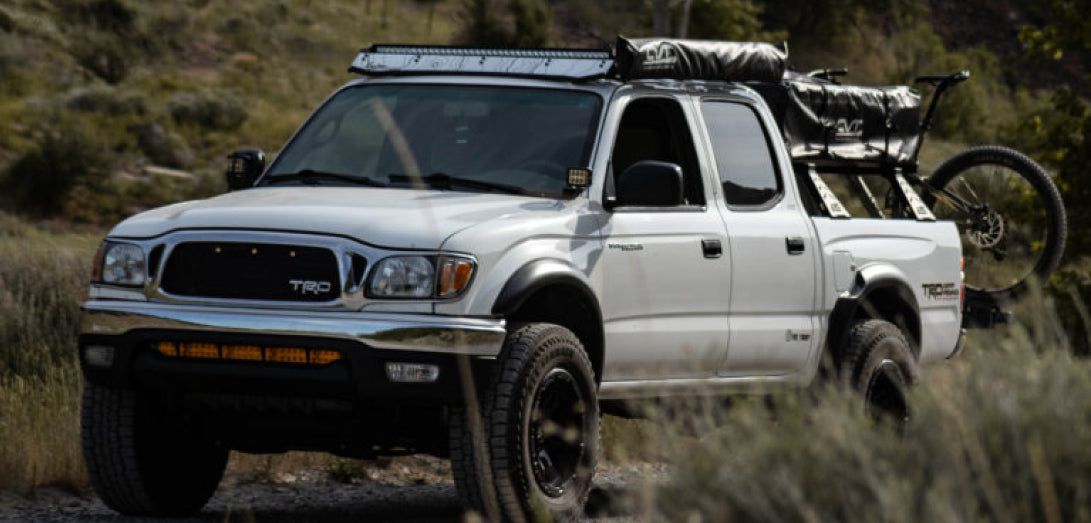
474,253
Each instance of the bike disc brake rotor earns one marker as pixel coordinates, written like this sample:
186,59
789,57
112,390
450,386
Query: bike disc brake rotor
986,229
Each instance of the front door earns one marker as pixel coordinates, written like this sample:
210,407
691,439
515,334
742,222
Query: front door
665,271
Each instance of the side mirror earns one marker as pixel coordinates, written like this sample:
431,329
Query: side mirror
244,168
649,183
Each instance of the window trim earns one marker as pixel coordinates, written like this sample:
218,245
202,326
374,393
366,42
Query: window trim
769,144
608,179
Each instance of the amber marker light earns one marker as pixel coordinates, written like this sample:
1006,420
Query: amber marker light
199,350
242,352
286,355
454,276
167,348
323,356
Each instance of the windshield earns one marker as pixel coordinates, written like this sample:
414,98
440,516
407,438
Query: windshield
466,137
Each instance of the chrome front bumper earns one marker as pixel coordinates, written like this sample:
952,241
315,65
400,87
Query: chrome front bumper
403,332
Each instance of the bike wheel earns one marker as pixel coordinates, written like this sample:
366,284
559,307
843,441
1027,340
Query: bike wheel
1011,219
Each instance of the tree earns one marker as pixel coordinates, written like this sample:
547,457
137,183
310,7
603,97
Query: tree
738,20
710,19
524,23
1059,137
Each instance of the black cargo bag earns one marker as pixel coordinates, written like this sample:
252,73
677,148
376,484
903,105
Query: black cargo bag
647,58
845,126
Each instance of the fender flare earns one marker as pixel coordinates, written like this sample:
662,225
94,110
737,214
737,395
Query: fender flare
537,275
857,303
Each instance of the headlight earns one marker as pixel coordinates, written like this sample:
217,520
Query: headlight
418,277
121,264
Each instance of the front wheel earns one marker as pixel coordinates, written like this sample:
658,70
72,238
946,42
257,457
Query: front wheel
140,460
540,419
1010,215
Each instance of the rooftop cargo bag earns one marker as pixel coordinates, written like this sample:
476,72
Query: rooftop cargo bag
647,58
845,126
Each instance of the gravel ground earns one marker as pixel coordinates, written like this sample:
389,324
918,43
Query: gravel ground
414,488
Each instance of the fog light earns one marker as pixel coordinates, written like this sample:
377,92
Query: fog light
412,372
98,355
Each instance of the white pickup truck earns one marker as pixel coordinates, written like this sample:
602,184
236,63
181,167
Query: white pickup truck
473,254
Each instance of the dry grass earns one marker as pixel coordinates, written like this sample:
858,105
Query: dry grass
1000,436
40,430
42,280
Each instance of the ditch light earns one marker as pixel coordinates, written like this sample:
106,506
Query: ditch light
404,372
216,351
98,355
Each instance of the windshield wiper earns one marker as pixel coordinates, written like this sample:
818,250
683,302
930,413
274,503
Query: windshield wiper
312,177
448,182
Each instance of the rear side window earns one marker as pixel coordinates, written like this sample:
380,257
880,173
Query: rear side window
744,159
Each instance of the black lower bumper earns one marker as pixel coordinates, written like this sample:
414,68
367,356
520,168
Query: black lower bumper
349,406
360,375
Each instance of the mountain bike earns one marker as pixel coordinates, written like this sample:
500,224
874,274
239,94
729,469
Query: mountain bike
1007,208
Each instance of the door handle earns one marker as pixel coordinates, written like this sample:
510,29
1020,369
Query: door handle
712,248
795,245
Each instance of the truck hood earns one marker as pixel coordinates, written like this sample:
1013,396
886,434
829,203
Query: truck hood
393,218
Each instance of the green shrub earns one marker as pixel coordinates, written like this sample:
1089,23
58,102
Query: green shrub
107,100
1070,288
210,109
114,16
106,56
70,153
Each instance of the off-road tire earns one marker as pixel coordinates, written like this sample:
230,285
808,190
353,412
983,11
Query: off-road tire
877,363
539,361
140,463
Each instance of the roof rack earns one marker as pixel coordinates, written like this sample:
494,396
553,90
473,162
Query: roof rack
574,64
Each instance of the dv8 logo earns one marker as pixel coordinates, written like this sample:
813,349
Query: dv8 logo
662,57
845,129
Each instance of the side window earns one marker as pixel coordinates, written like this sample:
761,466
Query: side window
744,158
655,129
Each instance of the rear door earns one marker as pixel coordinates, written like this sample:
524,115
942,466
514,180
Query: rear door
774,253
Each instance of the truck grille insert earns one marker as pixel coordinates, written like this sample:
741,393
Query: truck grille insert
252,271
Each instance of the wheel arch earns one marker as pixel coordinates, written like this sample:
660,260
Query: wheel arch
551,290
876,294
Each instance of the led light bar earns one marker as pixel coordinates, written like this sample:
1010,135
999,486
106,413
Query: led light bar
215,351
380,59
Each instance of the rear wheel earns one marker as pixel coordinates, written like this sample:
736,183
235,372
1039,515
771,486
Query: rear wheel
877,363
141,463
541,423
1010,215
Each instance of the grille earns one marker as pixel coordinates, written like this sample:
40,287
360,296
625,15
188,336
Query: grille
251,271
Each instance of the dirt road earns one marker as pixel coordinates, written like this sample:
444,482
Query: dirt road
397,493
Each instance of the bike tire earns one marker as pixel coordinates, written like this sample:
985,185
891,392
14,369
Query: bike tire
992,166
